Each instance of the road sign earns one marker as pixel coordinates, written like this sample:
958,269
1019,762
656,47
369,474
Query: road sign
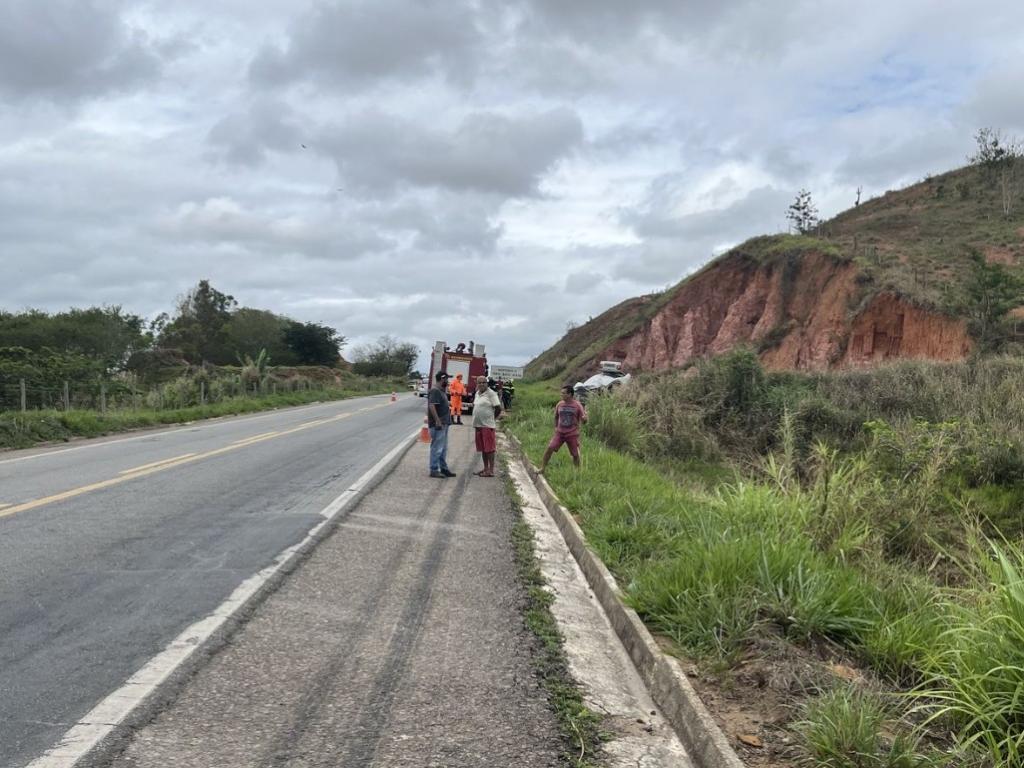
506,372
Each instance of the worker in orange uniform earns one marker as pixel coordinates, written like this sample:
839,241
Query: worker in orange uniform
455,391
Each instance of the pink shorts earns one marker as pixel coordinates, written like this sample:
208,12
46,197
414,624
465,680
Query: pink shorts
573,441
486,440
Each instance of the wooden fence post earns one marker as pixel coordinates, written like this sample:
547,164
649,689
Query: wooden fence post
24,404
67,397
103,397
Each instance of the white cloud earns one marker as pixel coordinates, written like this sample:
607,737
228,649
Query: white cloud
469,169
69,49
486,152
363,40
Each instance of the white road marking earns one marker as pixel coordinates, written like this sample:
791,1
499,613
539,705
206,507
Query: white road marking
101,720
174,463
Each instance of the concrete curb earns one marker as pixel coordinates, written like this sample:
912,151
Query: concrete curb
671,691
102,733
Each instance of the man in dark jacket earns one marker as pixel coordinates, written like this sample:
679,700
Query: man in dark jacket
439,416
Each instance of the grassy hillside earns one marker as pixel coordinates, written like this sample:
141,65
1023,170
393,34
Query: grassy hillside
918,240
585,340
915,242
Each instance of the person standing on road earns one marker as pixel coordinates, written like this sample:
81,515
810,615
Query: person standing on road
569,414
439,416
486,412
457,389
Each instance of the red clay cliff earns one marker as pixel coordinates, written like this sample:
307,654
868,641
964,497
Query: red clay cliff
805,313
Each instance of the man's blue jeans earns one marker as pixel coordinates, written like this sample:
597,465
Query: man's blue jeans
439,449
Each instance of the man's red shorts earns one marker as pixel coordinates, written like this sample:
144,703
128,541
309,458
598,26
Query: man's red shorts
486,440
573,441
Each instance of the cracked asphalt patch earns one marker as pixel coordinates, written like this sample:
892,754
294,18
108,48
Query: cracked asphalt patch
398,642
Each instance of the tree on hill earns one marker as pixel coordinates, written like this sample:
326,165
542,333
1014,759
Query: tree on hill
209,327
988,293
802,214
385,357
249,331
1000,158
313,343
198,328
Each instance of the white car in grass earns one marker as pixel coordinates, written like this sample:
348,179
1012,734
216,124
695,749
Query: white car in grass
610,378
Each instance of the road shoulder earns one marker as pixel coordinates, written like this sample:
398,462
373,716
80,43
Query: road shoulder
398,641
636,732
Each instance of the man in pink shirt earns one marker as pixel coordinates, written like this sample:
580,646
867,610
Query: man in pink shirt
569,414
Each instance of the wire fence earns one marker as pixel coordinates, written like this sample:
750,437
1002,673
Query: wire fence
25,395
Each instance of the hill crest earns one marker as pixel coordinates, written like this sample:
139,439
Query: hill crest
869,286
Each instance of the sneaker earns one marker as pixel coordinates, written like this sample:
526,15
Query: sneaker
447,473
438,474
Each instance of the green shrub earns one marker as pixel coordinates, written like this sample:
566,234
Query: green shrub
816,419
674,425
1001,507
617,424
912,618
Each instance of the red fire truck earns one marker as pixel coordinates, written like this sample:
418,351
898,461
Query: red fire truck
469,360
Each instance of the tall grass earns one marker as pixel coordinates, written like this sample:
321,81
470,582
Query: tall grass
732,403
617,425
854,523
709,569
977,681
851,728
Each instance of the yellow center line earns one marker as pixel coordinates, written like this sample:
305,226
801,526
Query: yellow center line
151,469
154,464
255,438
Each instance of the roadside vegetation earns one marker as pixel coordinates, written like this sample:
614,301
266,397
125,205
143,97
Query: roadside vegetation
838,554
21,430
88,372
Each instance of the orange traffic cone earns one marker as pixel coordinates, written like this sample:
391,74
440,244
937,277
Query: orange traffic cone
424,435
394,396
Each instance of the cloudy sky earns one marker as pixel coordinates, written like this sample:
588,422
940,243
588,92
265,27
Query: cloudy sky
455,169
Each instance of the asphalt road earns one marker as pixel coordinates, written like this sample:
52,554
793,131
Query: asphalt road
109,548
398,643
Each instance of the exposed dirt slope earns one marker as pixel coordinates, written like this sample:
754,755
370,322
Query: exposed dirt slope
867,288
795,311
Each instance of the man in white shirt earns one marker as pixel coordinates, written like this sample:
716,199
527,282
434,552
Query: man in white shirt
486,411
